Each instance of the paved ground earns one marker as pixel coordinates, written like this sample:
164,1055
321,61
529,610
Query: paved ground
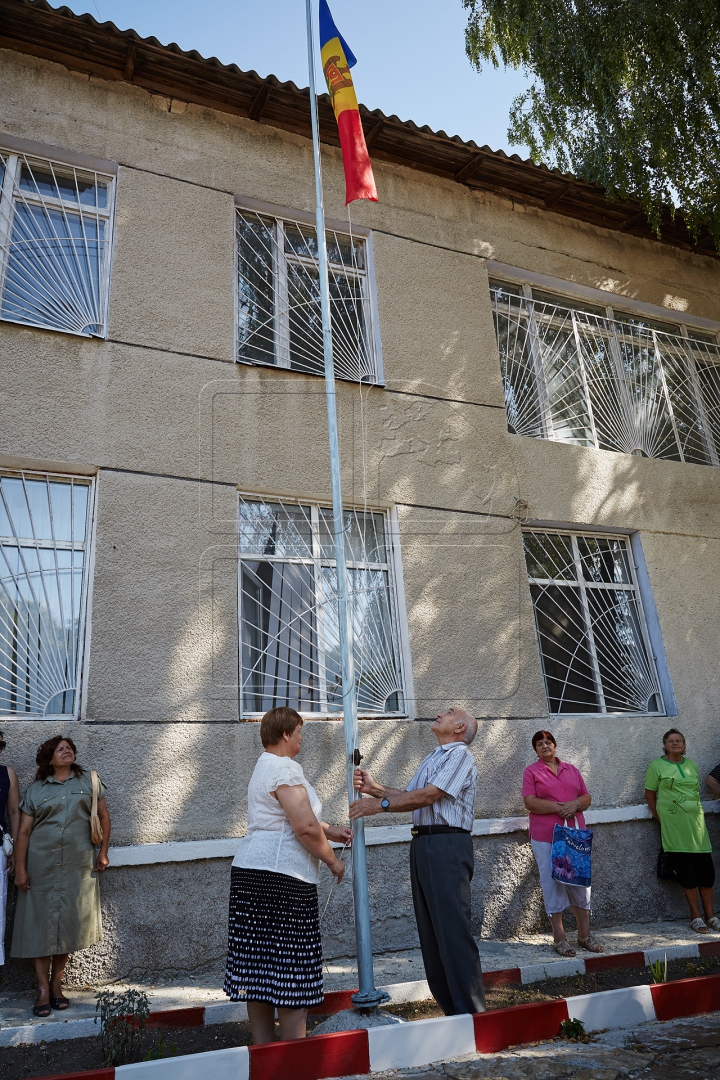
396,967
678,1050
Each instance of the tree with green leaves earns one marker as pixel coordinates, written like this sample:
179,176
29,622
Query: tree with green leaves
626,93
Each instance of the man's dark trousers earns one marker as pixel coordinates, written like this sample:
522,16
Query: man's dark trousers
441,869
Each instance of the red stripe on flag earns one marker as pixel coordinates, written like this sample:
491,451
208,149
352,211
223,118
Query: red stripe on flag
359,179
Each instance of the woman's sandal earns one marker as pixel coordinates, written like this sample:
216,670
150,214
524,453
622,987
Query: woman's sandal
41,1010
590,944
713,924
563,948
698,926
59,1003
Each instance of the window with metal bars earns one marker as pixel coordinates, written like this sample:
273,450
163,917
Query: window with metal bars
279,320
594,645
595,376
44,540
55,236
288,601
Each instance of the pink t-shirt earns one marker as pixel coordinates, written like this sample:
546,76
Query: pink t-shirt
540,780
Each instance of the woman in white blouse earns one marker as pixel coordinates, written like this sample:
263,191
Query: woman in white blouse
274,951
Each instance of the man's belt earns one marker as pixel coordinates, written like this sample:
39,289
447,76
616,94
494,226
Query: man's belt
429,830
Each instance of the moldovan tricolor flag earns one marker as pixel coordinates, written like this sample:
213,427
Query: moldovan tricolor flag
337,59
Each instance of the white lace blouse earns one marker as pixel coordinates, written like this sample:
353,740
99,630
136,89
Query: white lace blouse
270,843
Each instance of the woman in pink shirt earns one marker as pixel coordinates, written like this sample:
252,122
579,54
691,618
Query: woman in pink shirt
554,792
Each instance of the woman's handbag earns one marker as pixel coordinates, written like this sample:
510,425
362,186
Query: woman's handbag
664,870
571,855
96,833
7,844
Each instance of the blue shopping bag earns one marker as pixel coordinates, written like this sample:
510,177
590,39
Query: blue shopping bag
571,855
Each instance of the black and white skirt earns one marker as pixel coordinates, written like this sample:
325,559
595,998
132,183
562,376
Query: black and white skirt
274,951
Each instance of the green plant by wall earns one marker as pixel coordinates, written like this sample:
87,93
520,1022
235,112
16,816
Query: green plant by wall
658,972
161,1049
572,1030
122,1023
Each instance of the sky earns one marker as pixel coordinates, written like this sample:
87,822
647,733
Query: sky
411,53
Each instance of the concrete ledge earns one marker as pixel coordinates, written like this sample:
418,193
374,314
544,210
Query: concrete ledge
226,847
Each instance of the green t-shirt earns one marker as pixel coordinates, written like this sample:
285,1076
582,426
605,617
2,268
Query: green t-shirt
682,820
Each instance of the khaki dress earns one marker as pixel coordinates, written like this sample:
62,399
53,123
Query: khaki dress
60,912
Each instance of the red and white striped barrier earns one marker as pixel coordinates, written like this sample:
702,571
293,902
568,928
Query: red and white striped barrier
422,1042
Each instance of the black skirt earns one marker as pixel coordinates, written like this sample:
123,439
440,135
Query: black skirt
274,951
692,869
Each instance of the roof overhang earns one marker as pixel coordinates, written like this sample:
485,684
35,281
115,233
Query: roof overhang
82,44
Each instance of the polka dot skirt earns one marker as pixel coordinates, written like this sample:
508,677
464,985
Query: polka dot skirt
274,951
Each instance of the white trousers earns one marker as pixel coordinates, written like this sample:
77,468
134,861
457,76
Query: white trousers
557,896
3,901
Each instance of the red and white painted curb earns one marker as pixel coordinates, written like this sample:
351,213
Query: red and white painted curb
335,1000
422,1042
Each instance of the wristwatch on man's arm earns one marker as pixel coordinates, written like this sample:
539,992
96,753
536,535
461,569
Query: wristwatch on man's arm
385,803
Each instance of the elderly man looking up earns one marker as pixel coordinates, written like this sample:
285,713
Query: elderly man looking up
441,796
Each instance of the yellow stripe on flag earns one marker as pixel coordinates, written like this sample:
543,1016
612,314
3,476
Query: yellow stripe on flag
337,76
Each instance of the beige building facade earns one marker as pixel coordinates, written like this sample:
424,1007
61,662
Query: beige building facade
528,421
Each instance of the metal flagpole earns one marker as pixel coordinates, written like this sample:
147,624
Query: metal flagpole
367,995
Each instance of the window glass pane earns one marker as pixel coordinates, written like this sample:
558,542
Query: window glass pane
43,181
708,371
591,641
53,272
519,372
364,536
563,376
289,610
376,670
604,560
279,640
302,240
626,384
553,300
256,289
275,529
628,680
41,594
549,555
567,664
350,345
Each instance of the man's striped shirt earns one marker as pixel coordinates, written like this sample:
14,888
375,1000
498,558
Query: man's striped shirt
453,769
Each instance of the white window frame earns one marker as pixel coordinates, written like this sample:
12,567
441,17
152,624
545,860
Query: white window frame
283,216
575,294
88,547
19,152
396,593
640,592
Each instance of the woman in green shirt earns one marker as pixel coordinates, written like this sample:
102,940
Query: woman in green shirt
672,791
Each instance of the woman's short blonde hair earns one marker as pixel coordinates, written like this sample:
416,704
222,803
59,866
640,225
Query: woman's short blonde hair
276,723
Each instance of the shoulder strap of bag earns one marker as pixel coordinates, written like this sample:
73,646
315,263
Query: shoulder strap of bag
94,782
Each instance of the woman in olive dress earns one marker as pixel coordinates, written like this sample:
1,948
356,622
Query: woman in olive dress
672,791
56,871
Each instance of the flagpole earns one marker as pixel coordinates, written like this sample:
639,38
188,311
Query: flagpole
367,996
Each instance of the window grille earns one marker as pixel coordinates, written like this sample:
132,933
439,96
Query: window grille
279,320
589,375
289,635
55,230
594,645
44,534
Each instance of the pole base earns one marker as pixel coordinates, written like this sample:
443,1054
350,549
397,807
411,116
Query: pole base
357,1020
370,999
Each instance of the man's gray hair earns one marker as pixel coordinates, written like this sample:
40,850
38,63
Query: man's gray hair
471,727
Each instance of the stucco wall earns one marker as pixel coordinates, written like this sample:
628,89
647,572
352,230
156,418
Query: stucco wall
174,429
